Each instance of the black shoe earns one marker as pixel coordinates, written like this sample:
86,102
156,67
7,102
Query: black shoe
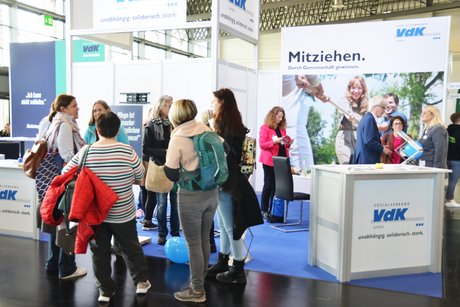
161,240
52,271
149,226
275,219
220,266
234,275
265,215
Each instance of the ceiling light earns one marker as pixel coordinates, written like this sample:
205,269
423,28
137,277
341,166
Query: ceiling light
338,4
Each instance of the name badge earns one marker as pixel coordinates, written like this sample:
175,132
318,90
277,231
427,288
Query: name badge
425,137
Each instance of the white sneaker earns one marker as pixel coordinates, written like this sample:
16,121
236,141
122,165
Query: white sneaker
452,204
79,272
103,299
142,287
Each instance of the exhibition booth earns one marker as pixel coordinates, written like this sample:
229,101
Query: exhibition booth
363,222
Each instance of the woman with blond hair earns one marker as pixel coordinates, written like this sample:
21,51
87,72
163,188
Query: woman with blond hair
273,141
434,139
356,102
196,207
157,133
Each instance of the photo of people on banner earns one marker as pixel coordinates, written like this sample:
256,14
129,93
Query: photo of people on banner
323,111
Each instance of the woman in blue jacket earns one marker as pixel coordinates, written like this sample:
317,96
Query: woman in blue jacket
100,107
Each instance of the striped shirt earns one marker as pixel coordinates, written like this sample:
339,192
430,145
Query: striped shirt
118,166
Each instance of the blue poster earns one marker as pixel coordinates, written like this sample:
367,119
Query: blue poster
33,85
131,120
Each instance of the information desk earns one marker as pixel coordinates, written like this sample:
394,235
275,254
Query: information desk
18,201
367,222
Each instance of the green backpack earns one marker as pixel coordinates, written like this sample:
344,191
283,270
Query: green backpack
212,171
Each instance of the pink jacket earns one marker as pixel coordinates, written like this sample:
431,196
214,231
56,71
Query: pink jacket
268,148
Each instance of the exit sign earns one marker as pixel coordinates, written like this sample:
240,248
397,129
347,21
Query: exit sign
48,20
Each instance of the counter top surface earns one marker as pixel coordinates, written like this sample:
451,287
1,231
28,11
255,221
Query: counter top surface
10,163
371,169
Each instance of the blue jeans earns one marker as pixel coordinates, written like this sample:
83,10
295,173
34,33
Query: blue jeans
162,205
58,260
454,165
225,215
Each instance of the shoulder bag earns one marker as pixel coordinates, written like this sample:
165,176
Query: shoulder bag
33,157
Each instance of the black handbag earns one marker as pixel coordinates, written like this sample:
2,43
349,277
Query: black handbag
65,237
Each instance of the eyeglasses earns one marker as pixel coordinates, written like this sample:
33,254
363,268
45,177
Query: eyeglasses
397,124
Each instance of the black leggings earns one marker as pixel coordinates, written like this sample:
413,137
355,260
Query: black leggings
268,190
150,201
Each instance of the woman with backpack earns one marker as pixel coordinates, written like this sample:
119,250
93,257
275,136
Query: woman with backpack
234,193
196,206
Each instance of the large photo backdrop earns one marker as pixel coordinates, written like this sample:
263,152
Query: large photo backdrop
406,57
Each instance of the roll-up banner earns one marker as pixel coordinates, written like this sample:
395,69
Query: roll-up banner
408,58
38,75
33,84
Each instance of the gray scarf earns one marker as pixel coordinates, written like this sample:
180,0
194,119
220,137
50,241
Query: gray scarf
158,127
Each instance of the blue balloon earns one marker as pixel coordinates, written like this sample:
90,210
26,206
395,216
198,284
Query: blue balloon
176,250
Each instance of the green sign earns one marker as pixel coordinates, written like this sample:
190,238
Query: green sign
88,51
48,20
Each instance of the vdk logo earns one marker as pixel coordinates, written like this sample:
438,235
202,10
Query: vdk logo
385,215
409,32
91,48
8,194
239,3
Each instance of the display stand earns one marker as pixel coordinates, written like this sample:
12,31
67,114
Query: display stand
18,201
367,222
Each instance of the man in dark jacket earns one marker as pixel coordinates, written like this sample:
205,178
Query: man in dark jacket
368,147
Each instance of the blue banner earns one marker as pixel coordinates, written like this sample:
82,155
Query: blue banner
131,120
33,85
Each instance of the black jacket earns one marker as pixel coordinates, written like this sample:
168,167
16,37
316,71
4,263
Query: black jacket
152,147
246,210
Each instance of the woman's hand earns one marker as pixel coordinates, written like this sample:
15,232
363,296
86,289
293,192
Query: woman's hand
277,140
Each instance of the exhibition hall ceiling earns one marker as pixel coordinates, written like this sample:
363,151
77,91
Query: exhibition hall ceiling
275,14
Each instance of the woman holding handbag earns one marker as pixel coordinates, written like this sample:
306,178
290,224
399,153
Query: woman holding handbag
64,141
155,143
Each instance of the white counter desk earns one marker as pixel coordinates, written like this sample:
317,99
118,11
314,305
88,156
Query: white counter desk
367,222
18,201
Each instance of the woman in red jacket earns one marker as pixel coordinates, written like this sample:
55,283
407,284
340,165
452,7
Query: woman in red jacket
273,141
